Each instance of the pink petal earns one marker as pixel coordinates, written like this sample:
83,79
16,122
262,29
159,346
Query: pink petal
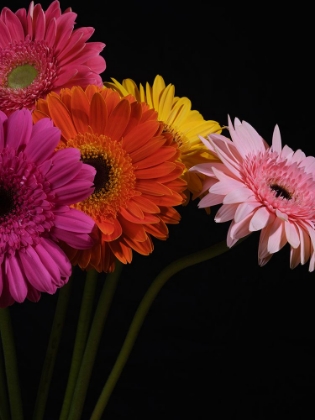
65,166
246,138
260,219
39,22
287,152
239,195
14,26
19,128
305,244
16,279
225,213
227,153
76,241
226,185
241,229
210,200
43,142
207,168
292,234
5,37
55,260
276,141
245,209
74,221
65,24
277,238
73,191
97,63
207,184
36,272
308,164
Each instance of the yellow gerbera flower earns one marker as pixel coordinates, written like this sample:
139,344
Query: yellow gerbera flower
185,124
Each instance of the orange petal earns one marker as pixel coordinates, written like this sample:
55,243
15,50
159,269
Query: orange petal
61,117
165,153
121,251
98,114
147,149
149,218
146,205
140,135
80,108
110,229
155,171
118,120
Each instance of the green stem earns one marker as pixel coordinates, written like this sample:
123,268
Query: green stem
96,330
4,398
80,340
52,350
11,368
141,313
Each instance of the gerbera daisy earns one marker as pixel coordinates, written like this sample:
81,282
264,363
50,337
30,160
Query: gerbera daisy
40,52
271,189
37,186
183,123
137,182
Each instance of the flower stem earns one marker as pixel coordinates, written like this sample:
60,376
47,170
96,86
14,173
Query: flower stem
4,398
81,338
52,349
11,368
95,334
141,313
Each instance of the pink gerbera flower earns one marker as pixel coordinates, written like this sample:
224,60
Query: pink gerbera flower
37,187
271,189
40,52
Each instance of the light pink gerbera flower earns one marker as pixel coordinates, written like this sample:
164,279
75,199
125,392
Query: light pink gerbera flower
37,187
271,189
40,52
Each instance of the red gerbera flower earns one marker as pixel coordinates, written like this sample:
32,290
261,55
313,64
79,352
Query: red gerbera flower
40,52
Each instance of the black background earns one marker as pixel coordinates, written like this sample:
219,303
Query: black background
225,339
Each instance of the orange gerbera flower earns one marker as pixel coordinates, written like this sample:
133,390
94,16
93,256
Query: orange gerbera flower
138,172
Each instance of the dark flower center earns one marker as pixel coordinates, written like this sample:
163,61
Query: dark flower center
6,202
281,192
102,175
176,136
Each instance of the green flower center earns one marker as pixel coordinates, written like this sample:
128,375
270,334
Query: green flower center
22,76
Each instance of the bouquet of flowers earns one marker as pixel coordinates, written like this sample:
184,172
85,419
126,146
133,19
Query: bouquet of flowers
94,170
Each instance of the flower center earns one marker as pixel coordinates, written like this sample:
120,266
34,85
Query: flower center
25,207
177,137
103,172
28,71
6,202
114,180
22,76
280,184
281,192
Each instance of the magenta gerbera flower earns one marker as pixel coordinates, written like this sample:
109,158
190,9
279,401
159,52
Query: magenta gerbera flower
40,52
271,189
37,187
